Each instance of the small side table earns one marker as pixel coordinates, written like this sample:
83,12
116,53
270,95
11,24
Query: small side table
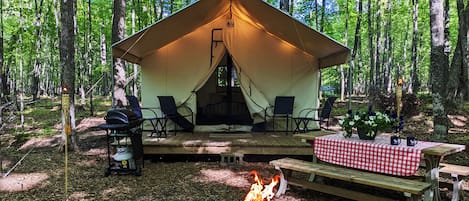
301,124
160,123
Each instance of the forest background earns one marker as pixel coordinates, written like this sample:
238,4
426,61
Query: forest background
388,39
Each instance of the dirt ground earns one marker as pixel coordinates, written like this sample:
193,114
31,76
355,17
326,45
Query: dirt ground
40,176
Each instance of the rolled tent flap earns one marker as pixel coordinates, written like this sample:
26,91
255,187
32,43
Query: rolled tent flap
255,100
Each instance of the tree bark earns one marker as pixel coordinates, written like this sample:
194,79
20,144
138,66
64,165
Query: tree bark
414,83
378,75
371,49
20,92
316,14
457,80
323,15
103,58
284,5
447,34
91,56
37,63
465,50
439,69
3,84
67,62
118,33
356,47
135,66
388,52
341,68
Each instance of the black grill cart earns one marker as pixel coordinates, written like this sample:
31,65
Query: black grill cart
123,157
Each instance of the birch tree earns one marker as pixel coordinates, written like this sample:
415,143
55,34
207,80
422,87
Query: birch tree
118,32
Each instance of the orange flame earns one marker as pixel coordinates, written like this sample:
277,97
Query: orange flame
259,191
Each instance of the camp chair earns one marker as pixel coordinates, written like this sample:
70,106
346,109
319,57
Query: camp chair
283,108
170,111
135,107
307,115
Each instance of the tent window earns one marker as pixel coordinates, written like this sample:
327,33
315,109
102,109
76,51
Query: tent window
222,80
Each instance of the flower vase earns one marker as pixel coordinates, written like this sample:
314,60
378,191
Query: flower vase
363,134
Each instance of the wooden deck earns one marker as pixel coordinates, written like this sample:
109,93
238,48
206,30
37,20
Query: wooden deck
227,143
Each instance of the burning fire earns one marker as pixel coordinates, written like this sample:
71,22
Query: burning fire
259,191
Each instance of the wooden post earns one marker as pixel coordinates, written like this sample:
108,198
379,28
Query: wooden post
66,111
68,131
400,81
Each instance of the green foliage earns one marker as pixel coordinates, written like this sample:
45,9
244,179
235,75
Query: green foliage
370,121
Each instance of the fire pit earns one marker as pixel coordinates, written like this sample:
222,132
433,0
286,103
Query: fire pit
260,191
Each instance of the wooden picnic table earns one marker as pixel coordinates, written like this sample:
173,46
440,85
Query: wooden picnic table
431,155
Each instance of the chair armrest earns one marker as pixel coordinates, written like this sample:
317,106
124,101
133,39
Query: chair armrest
307,112
151,109
191,113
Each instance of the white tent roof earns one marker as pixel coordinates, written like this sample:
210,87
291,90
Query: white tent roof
256,12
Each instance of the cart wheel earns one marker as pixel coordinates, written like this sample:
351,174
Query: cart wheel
107,172
138,172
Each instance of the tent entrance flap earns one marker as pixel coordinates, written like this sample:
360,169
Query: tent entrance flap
220,100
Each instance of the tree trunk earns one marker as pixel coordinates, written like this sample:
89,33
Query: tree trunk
323,15
118,33
82,62
465,52
388,52
67,62
292,7
378,75
284,5
457,80
371,49
20,92
103,58
135,66
3,84
37,63
447,41
90,60
439,66
316,14
341,67
356,47
414,83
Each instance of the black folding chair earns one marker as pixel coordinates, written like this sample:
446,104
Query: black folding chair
283,108
307,115
153,119
170,110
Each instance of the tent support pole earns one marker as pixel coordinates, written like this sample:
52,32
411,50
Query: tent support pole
216,43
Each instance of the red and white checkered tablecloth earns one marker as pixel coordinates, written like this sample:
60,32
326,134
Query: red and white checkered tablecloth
373,155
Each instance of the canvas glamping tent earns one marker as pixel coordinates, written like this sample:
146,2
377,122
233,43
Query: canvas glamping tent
228,59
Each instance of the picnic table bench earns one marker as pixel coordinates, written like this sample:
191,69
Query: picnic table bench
412,189
455,171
